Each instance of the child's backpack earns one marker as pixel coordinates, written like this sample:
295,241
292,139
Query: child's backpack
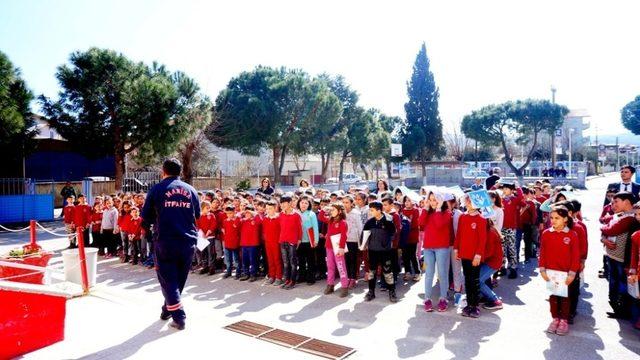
405,231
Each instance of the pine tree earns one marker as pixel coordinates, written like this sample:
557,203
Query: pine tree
422,136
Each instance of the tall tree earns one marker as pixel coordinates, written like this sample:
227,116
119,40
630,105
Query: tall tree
522,121
16,122
422,136
630,115
270,108
119,106
329,135
193,147
361,133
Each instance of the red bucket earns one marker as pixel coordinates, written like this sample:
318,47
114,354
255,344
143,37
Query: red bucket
24,275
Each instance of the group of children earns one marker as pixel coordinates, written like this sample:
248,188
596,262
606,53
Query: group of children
113,225
314,234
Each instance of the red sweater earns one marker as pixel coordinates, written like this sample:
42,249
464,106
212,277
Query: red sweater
135,228
414,216
250,231
528,213
220,216
511,206
123,222
634,265
96,221
559,250
208,224
290,228
606,215
231,227
438,229
68,214
271,230
493,252
82,215
396,236
334,228
581,231
471,238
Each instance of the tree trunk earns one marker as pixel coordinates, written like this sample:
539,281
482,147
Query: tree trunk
119,163
276,165
187,162
388,164
365,170
325,158
283,154
341,172
423,164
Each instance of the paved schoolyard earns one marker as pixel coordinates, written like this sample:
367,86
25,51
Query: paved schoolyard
120,317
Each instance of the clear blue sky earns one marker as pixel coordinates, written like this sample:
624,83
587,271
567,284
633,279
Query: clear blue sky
481,51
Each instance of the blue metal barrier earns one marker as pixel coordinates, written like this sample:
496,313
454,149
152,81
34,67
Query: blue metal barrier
22,208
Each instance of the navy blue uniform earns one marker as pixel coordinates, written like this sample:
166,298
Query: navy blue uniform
172,206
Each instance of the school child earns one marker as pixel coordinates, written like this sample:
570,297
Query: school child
354,231
334,215
305,251
490,265
528,218
321,251
615,236
469,247
605,217
290,237
512,200
263,263
134,234
67,213
271,236
231,237
560,251
409,258
82,218
108,227
249,242
456,264
388,207
437,222
379,247
208,224
634,264
217,209
96,221
123,227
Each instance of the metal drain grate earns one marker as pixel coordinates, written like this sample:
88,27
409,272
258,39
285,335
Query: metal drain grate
326,349
284,338
291,340
248,328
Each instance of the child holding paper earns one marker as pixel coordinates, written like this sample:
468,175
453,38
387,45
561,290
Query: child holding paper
336,241
559,252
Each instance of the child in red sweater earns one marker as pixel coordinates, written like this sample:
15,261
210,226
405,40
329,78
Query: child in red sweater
134,234
67,213
96,221
560,251
208,225
123,228
491,263
271,236
337,227
512,201
437,222
469,247
290,237
634,264
82,218
231,237
409,256
249,242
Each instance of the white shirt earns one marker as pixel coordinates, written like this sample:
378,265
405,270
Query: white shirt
498,218
354,225
626,187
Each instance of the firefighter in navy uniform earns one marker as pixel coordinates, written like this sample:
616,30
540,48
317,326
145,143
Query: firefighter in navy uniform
173,207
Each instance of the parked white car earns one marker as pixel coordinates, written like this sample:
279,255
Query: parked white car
347,178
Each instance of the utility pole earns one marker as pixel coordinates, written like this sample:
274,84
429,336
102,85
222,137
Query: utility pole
553,133
617,155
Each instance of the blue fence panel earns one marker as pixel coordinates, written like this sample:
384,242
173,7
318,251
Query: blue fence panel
22,208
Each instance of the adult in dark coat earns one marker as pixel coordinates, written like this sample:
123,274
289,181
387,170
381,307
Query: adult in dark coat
493,179
625,184
265,187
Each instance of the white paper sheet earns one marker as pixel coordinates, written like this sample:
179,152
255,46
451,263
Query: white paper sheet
335,242
202,242
365,239
557,283
633,290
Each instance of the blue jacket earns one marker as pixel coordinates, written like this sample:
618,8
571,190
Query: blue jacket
172,206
